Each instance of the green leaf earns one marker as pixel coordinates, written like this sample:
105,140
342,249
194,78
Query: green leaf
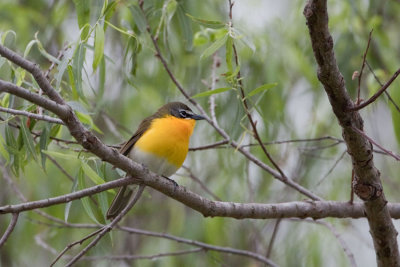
55,130
214,47
5,34
103,201
44,140
102,79
68,205
83,13
60,155
3,150
98,45
91,174
85,201
229,53
138,17
60,70
262,88
212,92
186,28
77,67
86,119
213,24
28,47
126,32
27,138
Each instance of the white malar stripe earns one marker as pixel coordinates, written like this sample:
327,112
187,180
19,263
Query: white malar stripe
154,163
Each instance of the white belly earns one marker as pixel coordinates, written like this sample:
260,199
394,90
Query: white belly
155,164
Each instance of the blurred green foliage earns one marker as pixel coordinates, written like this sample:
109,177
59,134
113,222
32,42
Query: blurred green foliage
111,77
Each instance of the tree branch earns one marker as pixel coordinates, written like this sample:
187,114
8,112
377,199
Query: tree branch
31,115
9,229
109,227
299,209
367,184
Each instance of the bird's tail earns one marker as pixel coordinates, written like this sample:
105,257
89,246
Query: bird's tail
119,202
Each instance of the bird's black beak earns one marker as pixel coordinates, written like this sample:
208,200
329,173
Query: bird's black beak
198,117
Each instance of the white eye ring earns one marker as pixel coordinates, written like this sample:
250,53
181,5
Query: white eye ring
183,113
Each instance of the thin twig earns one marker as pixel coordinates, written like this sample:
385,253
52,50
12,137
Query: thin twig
143,257
229,250
69,246
210,146
202,185
332,168
381,84
377,94
108,228
31,115
273,237
339,238
246,107
362,69
390,153
9,229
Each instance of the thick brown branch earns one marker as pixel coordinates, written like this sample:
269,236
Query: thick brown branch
367,184
209,208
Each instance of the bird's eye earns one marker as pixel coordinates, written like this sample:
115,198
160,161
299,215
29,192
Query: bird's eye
183,113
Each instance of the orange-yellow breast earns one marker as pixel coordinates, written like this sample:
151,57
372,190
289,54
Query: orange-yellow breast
167,138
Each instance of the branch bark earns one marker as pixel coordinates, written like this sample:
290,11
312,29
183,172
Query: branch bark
209,208
367,183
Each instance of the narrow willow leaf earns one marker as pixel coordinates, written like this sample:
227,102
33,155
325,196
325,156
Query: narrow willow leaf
102,79
27,138
5,34
86,119
103,201
68,205
60,71
83,12
126,32
98,45
262,88
77,67
3,150
213,24
186,28
60,155
212,92
55,130
138,17
28,47
215,46
91,174
85,201
44,140
229,53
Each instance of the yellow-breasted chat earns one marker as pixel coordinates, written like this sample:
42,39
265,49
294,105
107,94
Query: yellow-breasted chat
160,143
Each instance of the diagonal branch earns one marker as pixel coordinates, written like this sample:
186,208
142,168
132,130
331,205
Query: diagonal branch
9,229
367,184
109,227
377,94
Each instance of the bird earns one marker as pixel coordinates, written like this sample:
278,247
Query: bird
160,143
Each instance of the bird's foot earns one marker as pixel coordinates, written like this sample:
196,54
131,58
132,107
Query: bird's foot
172,181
